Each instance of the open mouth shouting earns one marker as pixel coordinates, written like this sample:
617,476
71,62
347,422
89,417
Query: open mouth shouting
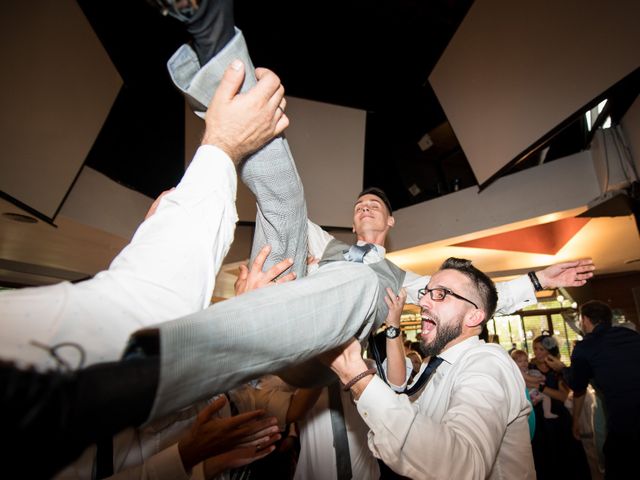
429,322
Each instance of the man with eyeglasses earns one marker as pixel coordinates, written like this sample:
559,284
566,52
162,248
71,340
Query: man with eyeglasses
470,421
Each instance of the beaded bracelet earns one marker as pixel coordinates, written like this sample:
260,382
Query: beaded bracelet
359,377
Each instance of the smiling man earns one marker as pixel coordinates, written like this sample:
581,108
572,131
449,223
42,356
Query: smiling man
471,419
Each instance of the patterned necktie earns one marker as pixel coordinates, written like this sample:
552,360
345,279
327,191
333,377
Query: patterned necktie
426,373
356,253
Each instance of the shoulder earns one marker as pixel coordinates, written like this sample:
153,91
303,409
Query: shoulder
486,355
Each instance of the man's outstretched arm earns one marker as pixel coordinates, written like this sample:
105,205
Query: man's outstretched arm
521,291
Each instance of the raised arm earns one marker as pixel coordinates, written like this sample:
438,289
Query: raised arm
520,292
396,358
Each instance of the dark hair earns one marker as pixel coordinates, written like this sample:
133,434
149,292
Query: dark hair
598,312
378,192
548,342
485,286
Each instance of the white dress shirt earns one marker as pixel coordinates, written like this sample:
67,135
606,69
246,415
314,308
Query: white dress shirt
167,271
470,422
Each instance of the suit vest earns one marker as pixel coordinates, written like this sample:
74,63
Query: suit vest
389,275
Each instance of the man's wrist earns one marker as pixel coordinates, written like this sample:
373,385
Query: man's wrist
392,332
231,152
358,377
535,281
349,370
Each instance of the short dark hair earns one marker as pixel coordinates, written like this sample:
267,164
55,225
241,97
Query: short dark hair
378,192
597,311
485,286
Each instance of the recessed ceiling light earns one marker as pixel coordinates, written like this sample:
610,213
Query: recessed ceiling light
19,217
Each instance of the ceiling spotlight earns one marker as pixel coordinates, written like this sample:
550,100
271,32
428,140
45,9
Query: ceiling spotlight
425,142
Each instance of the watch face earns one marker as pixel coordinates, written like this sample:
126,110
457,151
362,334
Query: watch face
392,332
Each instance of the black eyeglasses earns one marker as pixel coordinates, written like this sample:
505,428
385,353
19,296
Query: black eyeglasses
438,294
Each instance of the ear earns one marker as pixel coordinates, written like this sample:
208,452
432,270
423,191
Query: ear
353,228
474,318
391,222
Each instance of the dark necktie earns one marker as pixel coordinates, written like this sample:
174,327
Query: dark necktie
426,373
356,253
340,440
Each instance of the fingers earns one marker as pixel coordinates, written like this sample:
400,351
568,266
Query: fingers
206,413
259,436
258,262
286,278
231,81
264,449
243,273
268,441
401,297
281,125
242,418
269,87
278,268
585,262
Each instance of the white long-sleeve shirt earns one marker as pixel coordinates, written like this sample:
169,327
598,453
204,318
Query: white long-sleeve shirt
470,422
167,271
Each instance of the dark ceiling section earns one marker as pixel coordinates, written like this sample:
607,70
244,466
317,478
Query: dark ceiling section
141,144
373,55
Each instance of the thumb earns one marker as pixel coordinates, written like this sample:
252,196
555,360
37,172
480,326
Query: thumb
231,81
244,272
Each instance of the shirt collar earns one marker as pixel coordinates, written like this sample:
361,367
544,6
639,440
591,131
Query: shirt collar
451,355
379,248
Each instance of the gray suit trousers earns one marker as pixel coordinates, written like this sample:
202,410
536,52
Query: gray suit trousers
270,173
264,331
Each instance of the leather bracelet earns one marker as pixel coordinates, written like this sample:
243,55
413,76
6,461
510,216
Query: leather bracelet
534,280
357,378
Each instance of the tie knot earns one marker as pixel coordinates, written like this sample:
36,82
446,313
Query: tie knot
356,253
433,363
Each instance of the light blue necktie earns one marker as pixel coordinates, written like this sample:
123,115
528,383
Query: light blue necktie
356,253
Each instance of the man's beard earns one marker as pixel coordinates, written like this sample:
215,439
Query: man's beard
444,335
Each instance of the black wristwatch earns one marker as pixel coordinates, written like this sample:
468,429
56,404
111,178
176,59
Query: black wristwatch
392,332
